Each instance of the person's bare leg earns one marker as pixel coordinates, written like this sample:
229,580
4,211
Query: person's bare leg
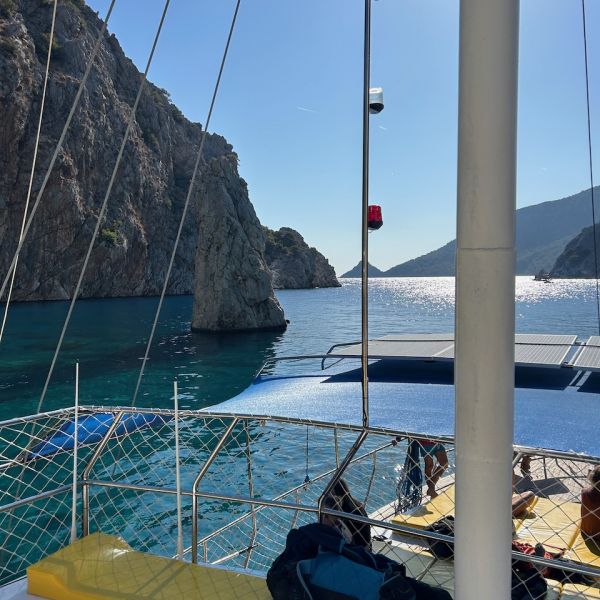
442,465
428,476
521,502
526,464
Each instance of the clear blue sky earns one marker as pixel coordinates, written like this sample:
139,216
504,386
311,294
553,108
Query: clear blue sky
290,103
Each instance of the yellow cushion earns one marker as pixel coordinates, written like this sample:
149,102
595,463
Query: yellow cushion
102,567
442,506
430,512
585,551
555,525
579,592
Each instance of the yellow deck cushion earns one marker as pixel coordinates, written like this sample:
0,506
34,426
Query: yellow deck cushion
585,551
430,512
442,506
579,592
103,567
555,525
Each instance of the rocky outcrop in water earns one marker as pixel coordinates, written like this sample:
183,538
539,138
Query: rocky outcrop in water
294,264
132,252
233,284
577,259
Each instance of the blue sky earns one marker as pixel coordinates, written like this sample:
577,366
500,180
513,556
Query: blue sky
290,103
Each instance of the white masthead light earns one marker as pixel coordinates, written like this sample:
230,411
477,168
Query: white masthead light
375,100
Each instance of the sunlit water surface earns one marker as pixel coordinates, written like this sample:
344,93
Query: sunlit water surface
108,337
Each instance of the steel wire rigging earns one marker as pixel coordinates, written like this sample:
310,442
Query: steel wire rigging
61,140
100,218
33,165
591,164
187,203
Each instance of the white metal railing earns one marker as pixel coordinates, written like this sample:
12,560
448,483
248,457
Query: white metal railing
242,484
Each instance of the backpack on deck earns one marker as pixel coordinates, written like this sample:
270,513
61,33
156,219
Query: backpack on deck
317,564
439,548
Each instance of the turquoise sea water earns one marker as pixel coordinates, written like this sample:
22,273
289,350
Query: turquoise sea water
108,338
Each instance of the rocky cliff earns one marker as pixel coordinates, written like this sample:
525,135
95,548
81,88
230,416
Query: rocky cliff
233,288
132,252
131,255
295,265
577,259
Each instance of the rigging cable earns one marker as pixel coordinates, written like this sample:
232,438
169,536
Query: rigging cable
187,203
35,151
589,132
33,164
104,204
58,146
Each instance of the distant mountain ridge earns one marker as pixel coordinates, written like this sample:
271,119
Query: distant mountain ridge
543,232
357,271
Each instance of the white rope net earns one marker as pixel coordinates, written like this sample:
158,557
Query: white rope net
283,467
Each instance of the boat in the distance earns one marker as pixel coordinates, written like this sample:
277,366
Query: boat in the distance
544,276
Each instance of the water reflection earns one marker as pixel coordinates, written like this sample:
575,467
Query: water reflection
109,338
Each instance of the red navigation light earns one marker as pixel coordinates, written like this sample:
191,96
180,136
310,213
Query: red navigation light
375,221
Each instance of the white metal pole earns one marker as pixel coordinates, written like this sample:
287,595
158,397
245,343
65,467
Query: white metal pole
485,291
75,444
177,475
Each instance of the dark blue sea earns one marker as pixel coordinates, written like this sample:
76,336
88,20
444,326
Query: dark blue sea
108,338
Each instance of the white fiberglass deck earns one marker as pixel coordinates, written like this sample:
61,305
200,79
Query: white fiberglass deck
531,349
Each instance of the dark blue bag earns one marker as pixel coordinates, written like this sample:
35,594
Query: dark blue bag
334,572
317,564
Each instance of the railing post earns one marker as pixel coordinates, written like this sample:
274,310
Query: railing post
85,492
251,495
75,444
197,481
178,474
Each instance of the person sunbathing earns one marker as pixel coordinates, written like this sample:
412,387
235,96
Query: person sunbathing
521,502
590,506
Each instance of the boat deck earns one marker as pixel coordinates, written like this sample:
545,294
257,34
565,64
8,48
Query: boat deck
553,520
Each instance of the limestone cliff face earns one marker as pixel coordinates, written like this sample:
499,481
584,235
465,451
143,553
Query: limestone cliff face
130,257
294,264
132,252
230,260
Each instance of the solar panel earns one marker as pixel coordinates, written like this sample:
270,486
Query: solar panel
531,349
542,349
588,356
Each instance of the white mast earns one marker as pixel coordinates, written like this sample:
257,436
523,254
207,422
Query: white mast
485,285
